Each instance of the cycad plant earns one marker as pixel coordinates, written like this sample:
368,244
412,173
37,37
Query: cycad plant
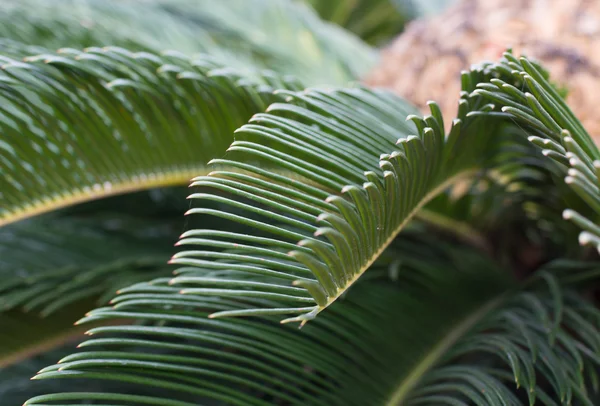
338,248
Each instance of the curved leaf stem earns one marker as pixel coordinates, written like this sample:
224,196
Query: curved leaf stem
433,193
175,178
410,381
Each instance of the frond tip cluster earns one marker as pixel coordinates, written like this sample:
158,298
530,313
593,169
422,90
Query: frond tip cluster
520,92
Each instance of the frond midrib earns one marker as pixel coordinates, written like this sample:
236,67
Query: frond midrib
101,191
108,189
455,334
432,194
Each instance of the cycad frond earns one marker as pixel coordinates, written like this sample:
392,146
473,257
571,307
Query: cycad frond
54,268
384,343
82,125
49,263
549,340
291,39
340,212
91,250
521,93
513,210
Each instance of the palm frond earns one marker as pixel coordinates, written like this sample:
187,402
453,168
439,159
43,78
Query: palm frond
291,39
92,250
522,93
303,177
512,211
340,212
546,337
49,263
82,125
383,343
54,268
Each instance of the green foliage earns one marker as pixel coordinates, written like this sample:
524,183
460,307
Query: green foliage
544,335
257,362
324,142
466,308
521,93
330,141
108,121
281,35
530,202
74,258
375,21
131,102
425,266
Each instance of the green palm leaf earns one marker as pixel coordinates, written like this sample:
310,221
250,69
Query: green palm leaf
108,121
280,35
407,342
50,263
524,228
342,211
105,121
521,93
80,126
55,268
313,192
540,335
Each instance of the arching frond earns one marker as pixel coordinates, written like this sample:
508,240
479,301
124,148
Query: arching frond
407,342
340,213
543,341
49,263
521,93
82,125
55,268
316,189
92,250
281,35
513,211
